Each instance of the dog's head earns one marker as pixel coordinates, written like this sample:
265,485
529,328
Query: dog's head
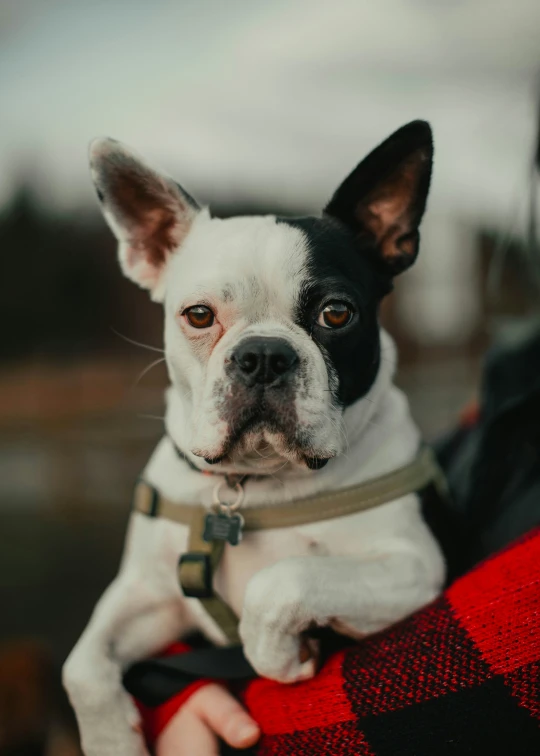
271,324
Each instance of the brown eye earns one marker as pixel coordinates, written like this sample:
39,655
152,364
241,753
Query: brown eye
335,315
199,316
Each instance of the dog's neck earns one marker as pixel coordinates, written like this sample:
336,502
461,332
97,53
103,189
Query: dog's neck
380,436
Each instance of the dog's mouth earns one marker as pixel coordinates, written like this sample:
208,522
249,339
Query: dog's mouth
265,438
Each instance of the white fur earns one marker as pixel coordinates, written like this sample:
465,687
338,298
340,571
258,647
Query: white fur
358,573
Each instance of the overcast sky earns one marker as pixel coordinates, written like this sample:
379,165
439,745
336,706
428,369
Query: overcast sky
276,100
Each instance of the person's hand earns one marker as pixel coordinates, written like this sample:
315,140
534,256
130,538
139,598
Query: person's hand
210,713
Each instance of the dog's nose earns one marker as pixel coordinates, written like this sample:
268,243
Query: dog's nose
264,360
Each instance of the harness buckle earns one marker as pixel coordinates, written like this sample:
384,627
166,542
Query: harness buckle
195,575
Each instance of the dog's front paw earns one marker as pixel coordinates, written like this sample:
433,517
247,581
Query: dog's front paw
273,616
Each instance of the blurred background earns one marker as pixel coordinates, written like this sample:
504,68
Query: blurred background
253,107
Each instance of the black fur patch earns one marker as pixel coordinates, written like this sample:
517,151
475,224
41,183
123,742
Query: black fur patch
385,196
339,269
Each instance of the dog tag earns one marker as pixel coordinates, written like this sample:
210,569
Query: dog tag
223,527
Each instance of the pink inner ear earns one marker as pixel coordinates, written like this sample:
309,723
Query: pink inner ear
154,215
386,214
148,210
155,233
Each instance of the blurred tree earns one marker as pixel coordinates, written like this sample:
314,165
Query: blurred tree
61,292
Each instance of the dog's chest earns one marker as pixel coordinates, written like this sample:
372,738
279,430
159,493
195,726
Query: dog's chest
259,550
344,536
262,549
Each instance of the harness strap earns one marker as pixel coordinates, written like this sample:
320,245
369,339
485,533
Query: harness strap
154,681
410,478
197,567
196,570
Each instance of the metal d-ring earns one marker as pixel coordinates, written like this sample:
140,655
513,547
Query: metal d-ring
223,505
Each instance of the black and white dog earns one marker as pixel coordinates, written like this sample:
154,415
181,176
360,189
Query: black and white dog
279,369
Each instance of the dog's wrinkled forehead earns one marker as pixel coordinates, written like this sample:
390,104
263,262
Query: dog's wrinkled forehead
254,265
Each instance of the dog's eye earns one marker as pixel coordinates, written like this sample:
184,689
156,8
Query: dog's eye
335,315
199,316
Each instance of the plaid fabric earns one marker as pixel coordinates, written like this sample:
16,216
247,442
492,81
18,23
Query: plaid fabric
462,676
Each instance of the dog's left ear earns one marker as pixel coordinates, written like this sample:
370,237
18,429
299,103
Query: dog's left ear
150,214
383,200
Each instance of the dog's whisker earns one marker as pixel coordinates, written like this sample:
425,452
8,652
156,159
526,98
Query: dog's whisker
148,369
259,453
373,421
137,343
275,472
185,394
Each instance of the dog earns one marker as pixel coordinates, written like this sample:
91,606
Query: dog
279,371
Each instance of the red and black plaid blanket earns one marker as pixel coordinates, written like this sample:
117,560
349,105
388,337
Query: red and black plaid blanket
462,676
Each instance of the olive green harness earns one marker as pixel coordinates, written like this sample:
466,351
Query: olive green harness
210,529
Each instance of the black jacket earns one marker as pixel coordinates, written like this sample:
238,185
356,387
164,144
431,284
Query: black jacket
493,468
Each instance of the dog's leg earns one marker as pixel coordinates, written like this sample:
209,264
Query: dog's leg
134,618
357,596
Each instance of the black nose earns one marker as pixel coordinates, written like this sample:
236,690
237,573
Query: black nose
264,360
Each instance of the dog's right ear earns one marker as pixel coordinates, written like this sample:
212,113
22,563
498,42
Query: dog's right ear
149,214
